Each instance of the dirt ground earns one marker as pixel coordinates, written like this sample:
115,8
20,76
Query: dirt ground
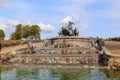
11,48
113,46
18,47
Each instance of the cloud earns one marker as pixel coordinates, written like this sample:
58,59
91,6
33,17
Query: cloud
66,19
12,22
8,26
5,24
76,9
107,11
3,4
46,27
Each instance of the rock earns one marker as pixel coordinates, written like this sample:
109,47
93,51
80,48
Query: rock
85,66
18,59
113,67
27,60
13,53
12,60
110,62
59,66
108,67
92,67
15,65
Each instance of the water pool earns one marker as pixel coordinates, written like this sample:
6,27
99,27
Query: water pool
31,73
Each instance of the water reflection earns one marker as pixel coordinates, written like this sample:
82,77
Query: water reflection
112,74
71,74
26,73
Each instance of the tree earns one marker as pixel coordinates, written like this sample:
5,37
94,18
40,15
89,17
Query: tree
17,34
2,34
13,36
35,31
18,31
26,31
31,32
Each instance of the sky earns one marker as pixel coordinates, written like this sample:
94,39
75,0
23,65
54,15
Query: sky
92,17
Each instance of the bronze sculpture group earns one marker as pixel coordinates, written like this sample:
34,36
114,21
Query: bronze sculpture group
68,30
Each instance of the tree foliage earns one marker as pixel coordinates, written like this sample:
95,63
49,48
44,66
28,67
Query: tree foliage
2,34
17,34
26,32
35,31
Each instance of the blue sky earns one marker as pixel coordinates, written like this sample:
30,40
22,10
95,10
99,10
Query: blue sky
92,17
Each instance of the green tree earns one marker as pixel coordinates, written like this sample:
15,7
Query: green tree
2,34
13,36
26,31
18,32
35,31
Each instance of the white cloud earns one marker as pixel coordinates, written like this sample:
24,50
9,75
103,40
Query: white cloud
46,28
4,24
3,4
66,19
76,9
8,26
12,22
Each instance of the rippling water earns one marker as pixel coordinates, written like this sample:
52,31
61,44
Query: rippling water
57,74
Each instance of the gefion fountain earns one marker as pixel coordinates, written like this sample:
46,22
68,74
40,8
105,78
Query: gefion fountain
67,48
66,57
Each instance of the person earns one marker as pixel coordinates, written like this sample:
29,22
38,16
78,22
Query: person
0,46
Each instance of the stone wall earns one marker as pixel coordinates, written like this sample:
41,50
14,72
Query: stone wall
62,50
71,42
58,59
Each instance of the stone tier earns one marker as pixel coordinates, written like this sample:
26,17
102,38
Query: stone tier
70,41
